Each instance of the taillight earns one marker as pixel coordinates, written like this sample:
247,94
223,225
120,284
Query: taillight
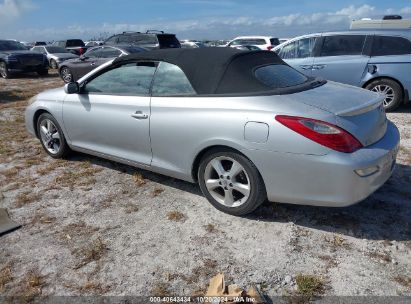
82,51
270,47
321,132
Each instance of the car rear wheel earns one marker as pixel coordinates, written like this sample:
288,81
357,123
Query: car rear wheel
4,71
51,136
392,91
231,182
53,64
66,74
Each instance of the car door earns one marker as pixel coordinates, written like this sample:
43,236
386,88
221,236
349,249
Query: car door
341,58
88,62
299,54
111,114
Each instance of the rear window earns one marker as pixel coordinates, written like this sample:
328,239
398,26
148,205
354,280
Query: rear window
56,49
74,43
343,45
248,41
168,41
278,76
10,45
386,45
274,41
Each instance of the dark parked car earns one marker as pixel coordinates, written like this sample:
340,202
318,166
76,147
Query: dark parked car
148,40
75,46
73,69
15,58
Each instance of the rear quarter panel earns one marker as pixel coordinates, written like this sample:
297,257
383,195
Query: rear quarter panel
397,67
181,127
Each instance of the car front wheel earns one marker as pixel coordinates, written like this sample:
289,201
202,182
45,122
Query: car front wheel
53,64
4,71
231,182
66,74
51,136
392,91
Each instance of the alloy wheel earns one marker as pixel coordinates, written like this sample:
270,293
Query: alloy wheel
387,91
227,181
66,75
3,70
50,136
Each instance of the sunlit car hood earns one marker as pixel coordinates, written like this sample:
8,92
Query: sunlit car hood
52,94
63,55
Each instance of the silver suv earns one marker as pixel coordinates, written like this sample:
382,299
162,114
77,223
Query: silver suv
378,60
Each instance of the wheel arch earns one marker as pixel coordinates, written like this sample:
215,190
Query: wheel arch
36,118
385,77
196,163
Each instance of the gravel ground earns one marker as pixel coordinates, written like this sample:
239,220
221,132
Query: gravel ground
91,226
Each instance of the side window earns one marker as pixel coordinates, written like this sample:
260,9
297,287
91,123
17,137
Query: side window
111,40
343,45
109,52
289,51
94,53
386,45
170,80
129,79
305,47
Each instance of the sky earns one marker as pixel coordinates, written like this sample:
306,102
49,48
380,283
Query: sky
30,20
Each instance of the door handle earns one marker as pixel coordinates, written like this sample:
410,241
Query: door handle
139,115
306,67
319,66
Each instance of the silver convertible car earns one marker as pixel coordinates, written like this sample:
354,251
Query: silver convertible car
244,125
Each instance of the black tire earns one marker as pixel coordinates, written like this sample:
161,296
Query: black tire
64,149
390,103
4,71
66,74
257,193
43,72
53,64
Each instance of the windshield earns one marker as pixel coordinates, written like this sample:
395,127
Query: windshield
74,43
10,45
279,76
56,49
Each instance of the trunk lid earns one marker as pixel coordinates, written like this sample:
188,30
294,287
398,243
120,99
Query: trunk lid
358,111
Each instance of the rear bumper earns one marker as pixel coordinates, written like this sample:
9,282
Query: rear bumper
328,180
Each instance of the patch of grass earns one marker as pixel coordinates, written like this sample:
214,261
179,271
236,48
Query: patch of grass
156,192
176,216
330,262
41,218
404,281
210,228
93,288
33,162
139,179
74,177
25,198
77,230
93,251
160,289
380,256
32,285
130,208
10,173
336,242
309,285
6,276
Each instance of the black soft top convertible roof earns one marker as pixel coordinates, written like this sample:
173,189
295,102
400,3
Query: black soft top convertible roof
214,70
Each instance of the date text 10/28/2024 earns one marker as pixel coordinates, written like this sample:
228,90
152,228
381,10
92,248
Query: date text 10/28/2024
202,299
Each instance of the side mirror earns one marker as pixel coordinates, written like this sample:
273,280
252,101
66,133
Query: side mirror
72,88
